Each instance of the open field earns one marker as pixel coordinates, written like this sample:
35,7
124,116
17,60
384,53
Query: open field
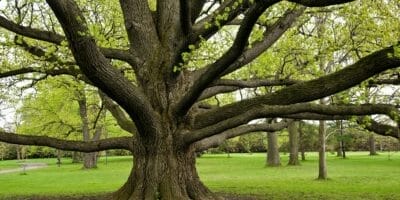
358,177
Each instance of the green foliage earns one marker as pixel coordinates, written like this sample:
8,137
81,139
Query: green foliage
52,109
254,142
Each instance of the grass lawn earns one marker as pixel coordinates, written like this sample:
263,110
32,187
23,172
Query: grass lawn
358,177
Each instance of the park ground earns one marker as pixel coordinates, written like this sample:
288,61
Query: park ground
242,175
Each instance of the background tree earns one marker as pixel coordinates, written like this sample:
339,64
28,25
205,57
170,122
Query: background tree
293,130
372,145
273,157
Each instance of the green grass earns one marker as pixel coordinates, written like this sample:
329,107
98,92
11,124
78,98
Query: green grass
358,177
65,180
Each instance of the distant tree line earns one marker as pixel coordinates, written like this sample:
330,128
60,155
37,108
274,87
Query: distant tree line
355,139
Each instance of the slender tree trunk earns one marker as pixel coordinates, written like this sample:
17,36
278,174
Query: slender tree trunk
18,152
322,172
372,147
303,155
339,149
293,143
23,152
340,139
302,141
342,145
89,159
76,157
58,157
273,158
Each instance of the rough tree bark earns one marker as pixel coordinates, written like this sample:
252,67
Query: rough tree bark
273,158
293,143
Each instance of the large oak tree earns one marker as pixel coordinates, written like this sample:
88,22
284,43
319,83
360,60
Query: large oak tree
141,72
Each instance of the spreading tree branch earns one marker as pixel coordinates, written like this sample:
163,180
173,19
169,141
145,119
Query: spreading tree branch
57,39
123,121
348,77
52,72
320,3
272,111
271,35
92,146
211,24
214,70
379,128
98,69
216,140
384,82
31,32
228,85
39,52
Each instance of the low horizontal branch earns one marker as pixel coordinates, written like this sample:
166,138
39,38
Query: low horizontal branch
216,140
379,128
271,111
52,72
68,145
320,3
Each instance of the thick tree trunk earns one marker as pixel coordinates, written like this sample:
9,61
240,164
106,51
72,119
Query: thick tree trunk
90,160
322,172
293,143
166,173
273,159
372,147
